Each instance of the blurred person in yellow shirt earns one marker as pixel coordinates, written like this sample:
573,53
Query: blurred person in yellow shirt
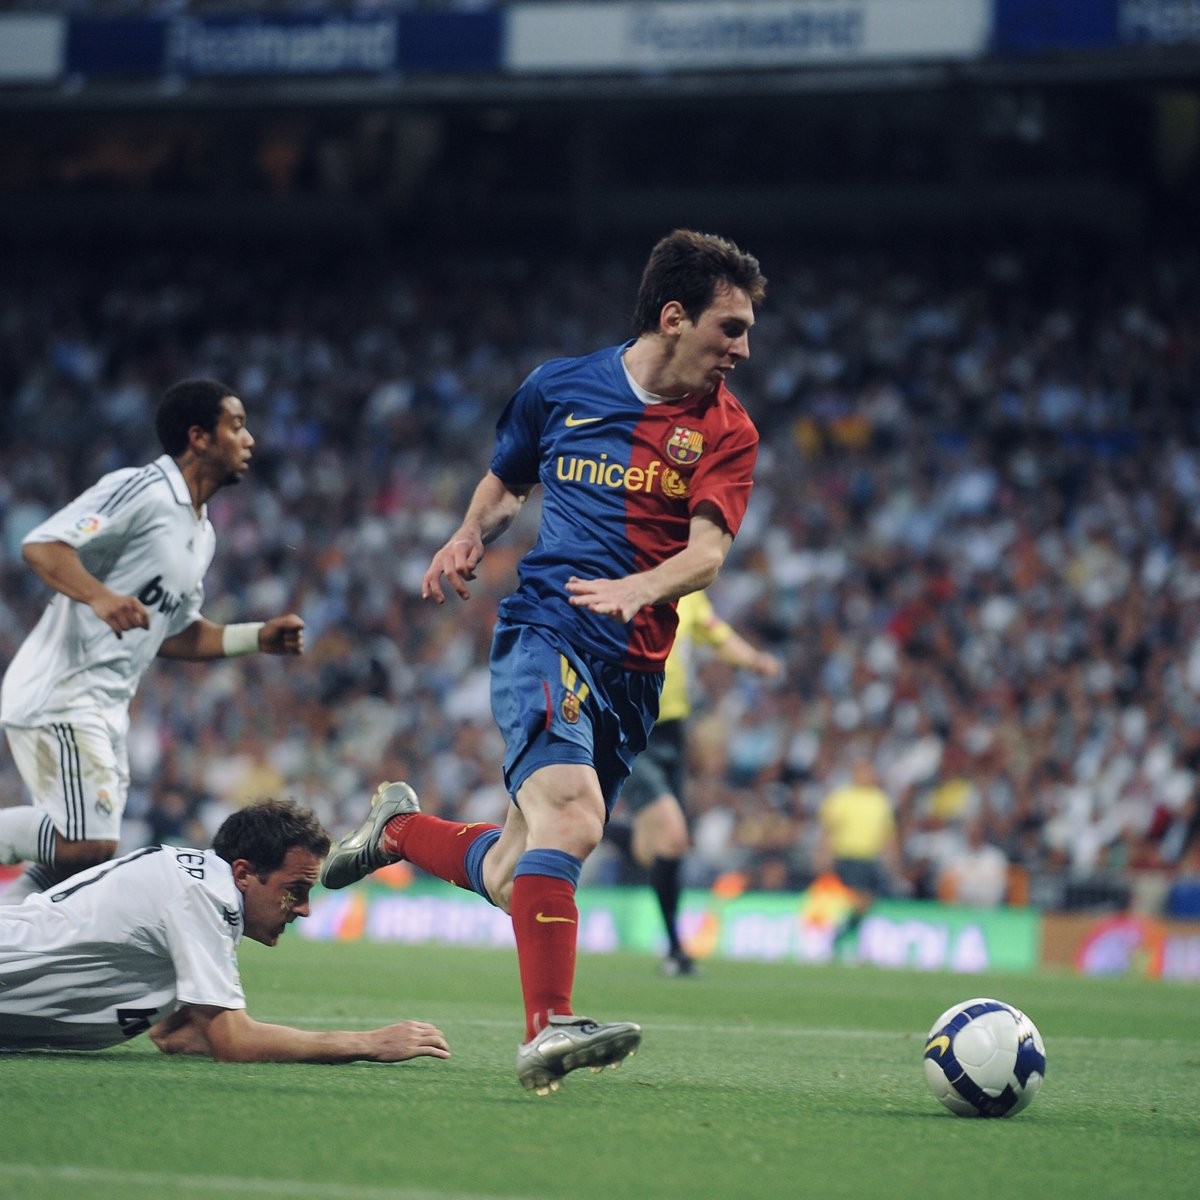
658,838
858,843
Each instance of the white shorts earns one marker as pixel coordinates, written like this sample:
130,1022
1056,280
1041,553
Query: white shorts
78,772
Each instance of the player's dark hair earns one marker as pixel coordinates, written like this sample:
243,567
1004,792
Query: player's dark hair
687,267
264,832
187,403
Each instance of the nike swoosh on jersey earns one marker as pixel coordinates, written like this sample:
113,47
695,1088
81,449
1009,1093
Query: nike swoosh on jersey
545,919
572,420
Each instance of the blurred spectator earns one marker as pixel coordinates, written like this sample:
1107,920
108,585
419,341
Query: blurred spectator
977,874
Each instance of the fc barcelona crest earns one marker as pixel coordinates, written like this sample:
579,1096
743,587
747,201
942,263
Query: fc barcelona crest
575,691
684,446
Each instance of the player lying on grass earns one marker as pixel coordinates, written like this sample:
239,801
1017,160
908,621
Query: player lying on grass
148,942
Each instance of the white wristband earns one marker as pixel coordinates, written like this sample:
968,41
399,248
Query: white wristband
237,640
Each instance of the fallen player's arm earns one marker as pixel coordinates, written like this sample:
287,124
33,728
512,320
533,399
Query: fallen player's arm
232,1035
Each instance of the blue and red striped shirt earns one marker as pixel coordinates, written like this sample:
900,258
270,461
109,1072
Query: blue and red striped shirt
620,481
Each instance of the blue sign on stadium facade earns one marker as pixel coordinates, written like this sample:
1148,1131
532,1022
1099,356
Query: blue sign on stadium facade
314,46
122,46
199,47
1033,25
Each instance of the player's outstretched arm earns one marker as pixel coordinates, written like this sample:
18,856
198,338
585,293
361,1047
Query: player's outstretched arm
232,1035
738,652
493,506
203,640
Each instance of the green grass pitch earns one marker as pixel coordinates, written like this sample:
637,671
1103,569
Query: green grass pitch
754,1081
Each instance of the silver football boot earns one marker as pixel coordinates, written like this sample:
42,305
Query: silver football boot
568,1043
358,853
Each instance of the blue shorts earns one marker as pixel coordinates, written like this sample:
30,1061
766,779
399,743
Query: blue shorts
553,705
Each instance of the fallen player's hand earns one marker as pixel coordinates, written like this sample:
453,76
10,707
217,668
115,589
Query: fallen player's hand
409,1039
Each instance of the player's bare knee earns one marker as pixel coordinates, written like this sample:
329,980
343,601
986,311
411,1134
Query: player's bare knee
674,846
661,838
501,894
565,812
584,825
70,857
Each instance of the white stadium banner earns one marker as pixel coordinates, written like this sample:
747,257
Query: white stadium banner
683,35
31,47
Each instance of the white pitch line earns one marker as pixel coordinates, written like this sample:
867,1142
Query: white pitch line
794,1031
668,1026
165,1183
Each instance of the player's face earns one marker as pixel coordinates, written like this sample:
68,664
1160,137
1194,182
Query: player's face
273,902
229,444
709,348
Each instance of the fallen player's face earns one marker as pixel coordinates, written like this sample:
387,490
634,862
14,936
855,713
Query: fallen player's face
274,901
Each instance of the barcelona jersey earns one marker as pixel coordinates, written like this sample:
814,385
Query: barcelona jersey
620,481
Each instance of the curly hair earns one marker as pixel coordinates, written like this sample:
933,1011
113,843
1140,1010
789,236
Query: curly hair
184,404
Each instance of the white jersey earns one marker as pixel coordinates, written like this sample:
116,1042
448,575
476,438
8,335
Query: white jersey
118,947
137,531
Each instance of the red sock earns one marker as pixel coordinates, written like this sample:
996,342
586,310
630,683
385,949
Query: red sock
546,924
437,846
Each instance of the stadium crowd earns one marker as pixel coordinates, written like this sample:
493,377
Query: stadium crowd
974,541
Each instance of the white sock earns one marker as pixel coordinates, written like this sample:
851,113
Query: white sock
26,835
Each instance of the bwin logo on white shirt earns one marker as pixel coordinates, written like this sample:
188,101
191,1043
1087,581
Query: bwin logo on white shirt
154,595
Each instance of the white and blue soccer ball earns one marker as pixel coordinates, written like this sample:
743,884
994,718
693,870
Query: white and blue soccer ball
984,1058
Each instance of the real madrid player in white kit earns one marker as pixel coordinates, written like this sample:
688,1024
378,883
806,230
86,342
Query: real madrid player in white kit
127,560
148,942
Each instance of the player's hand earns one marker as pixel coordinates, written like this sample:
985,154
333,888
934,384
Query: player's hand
121,613
409,1039
282,635
767,665
621,599
457,560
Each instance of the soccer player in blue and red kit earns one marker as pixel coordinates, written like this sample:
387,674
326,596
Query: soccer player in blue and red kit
645,460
